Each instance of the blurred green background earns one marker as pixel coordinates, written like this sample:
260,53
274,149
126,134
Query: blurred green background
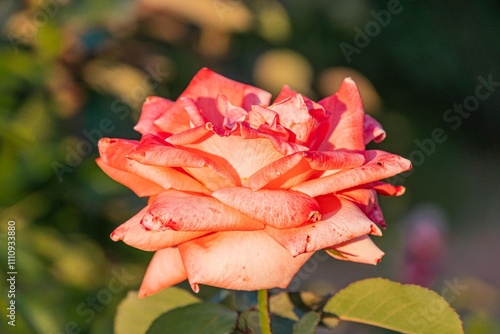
74,71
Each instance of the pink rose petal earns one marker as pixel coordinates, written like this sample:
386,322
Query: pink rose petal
114,151
367,201
139,185
347,126
204,88
379,165
191,212
341,221
373,130
133,234
277,208
295,168
153,108
319,120
155,152
361,250
383,188
239,156
164,270
239,261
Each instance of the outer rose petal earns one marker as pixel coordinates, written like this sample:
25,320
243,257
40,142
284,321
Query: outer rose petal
290,170
153,108
133,234
383,188
239,261
347,125
152,150
140,186
285,93
341,221
367,201
296,167
277,208
361,249
155,152
379,165
114,151
373,130
337,159
189,212
204,88
164,270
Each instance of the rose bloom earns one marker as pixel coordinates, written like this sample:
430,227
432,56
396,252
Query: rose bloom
241,192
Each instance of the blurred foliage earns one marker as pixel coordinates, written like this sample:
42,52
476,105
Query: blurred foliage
74,71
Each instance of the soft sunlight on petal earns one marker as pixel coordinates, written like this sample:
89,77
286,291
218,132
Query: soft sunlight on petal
155,152
341,221
139,185
189,212
242,193
240,157
239,261
133,234
373,130
205,95
379,165
347,126
152,109
367,201
164,270
277,208
114,153
361,250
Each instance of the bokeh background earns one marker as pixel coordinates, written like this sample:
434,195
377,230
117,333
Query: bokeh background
74,71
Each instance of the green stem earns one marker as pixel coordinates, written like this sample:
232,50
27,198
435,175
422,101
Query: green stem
263,307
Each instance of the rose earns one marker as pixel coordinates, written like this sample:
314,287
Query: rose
242,193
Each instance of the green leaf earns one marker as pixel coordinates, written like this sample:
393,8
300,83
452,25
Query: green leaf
196,318
293,305
281,305
307,324
135,315
404,308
